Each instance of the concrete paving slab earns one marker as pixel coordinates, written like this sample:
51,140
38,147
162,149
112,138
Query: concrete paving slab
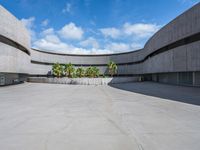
132,116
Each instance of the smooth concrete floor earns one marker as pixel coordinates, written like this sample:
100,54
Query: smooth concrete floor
134,116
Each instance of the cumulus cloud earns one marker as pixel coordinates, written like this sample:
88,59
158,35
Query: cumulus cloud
51,44
90,42
49,41
122,39
110,32
118,47
140,30
122,47
47,31
71,31
53,39
136,46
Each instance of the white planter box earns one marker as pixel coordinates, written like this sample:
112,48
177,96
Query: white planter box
83,81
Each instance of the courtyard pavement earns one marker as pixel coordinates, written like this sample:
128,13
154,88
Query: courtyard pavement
134,116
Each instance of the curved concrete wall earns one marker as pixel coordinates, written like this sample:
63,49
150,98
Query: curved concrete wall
14,49
45,60
13,29
183,26
173,49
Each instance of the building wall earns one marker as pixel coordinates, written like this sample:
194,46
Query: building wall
13,29
170,56
180,58
14,49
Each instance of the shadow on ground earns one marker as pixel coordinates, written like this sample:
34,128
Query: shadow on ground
190,95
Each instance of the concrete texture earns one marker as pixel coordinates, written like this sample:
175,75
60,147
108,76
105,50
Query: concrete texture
135,116
83,81
173,50
12,28
179,59
12,59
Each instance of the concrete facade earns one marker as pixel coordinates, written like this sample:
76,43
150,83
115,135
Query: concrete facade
171,54
14,49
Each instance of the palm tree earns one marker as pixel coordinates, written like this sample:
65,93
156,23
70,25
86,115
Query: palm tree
112,68
57,70
69,70
96,72
88,72
80,72
92,72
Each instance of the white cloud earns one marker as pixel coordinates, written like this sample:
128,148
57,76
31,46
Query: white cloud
45,22
61,47
140,30
136,46
51,42
47,31
67,8
99,51
90,42
29,24
46,44
71,31
118,47
110,32
53,39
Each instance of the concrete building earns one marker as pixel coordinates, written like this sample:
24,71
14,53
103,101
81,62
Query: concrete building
172,55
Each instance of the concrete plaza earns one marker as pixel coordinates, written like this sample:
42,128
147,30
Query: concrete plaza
134,116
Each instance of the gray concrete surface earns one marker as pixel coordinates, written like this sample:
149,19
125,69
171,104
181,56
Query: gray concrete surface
135,116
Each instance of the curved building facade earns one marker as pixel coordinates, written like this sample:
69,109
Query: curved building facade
172,55
14,49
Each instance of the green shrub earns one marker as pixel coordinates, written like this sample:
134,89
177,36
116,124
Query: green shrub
57,70
88,72
74,75
80,72
69,70
96,72
92,72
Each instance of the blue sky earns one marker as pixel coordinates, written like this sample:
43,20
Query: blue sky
94,26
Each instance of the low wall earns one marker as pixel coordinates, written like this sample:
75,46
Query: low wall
84,81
